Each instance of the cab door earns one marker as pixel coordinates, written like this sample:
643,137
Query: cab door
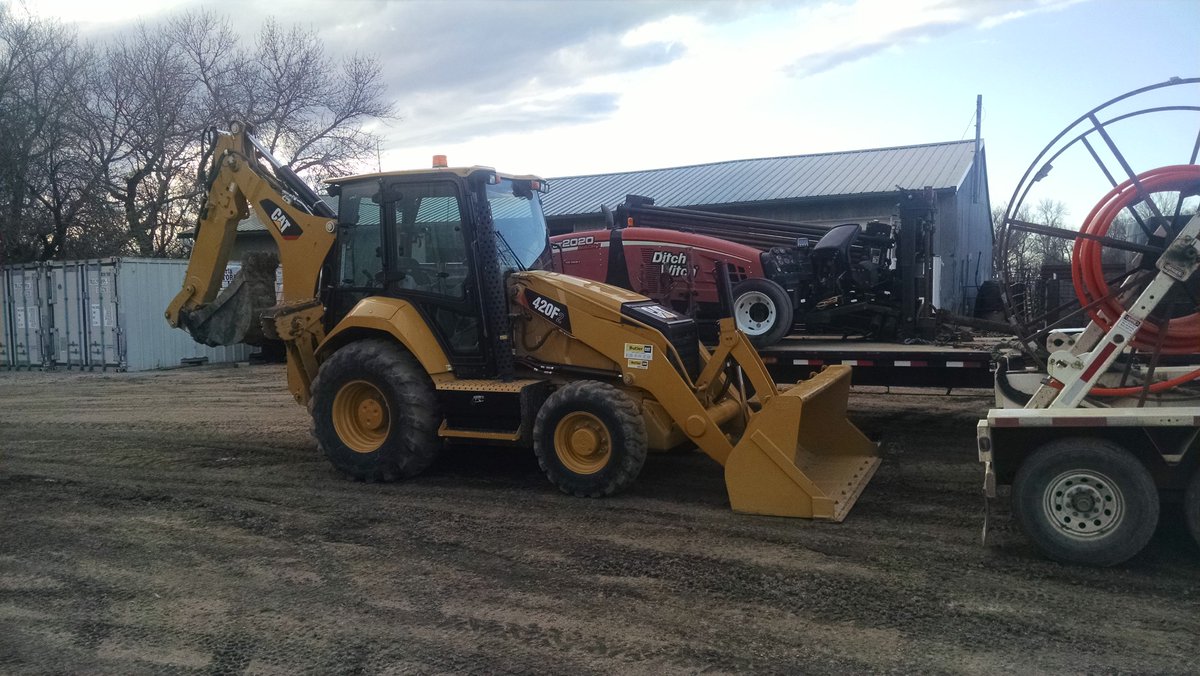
429,263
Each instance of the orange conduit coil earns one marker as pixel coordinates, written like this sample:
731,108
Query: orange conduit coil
1182,334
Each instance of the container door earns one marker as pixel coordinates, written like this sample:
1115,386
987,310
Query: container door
69,333
58,296
24,287
103,334
4,321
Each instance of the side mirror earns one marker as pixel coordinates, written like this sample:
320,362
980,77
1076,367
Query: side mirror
348,209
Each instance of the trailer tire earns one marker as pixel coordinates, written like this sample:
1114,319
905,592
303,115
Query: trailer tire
1086,501
374,412
590,439
1191,506
762,310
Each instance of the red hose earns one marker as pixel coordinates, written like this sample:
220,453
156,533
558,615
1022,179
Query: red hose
1181,334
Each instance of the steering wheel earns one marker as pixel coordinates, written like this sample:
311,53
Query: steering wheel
413,269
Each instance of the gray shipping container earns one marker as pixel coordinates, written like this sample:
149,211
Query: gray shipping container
101,315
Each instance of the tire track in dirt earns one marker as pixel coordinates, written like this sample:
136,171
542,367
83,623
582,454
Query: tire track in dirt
183,522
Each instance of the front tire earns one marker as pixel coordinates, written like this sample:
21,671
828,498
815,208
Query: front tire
1086,501
590,439
762,310
1191,506
374,412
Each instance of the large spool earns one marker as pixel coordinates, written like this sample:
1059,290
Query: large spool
1148,198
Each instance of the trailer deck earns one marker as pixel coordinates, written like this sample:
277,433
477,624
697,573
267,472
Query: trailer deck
884,364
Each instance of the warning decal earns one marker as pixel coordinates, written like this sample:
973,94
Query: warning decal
1128,324
639,351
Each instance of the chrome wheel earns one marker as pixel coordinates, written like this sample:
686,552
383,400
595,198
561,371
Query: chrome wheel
1084,504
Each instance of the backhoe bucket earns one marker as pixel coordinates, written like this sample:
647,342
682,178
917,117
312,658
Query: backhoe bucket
800,456
233,316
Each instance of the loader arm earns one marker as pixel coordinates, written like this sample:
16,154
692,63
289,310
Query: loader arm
790,453
304,230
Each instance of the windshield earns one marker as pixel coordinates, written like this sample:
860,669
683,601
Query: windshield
520,224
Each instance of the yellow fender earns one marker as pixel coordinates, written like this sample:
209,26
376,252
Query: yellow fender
397,318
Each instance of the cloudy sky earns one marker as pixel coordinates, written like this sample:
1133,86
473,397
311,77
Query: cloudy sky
580,87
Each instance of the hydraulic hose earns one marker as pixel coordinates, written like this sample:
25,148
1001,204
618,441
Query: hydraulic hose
1178,335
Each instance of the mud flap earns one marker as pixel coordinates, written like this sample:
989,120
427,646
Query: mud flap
800,456
233,316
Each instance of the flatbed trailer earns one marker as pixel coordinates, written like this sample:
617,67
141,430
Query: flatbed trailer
883,364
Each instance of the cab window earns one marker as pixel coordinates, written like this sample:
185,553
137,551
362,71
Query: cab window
430,250
360,249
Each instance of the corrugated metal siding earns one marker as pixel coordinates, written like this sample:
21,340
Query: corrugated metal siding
861,172
145,287
98,314
975,246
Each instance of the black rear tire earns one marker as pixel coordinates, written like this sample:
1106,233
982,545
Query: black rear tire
763,311
1086,501
381,377
590,439
1191,506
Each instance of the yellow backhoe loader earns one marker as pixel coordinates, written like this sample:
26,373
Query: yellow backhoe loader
423,310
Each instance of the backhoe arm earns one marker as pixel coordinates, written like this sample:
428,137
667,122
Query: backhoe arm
303,228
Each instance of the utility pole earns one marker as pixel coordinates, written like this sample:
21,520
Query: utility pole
975,166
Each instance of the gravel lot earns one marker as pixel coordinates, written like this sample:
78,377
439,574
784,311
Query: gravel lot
183,522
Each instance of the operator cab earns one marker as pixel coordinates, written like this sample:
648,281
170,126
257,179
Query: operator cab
415,235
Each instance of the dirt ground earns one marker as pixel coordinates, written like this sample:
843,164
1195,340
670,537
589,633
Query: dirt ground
183,522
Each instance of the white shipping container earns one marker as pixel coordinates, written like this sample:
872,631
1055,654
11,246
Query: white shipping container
235,267
106,314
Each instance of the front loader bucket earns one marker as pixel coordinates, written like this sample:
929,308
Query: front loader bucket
233,316
800,456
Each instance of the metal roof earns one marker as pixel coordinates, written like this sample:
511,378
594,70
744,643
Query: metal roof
857,172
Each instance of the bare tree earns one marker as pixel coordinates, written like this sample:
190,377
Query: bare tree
49,178
99,146
156,120
308,108
1025,253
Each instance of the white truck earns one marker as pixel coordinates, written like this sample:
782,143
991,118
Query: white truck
1088,473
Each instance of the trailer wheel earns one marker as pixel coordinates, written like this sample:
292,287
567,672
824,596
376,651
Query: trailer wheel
762,310
1086,501
374,412
590,439
1191,506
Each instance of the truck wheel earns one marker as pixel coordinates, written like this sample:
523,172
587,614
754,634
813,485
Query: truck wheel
374,412
1086,501
590,439
762,310
1191,506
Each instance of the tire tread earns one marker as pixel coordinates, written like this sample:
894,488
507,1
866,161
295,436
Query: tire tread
418,445
631,426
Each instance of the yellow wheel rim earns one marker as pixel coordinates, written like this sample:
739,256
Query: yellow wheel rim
360,416
582,443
